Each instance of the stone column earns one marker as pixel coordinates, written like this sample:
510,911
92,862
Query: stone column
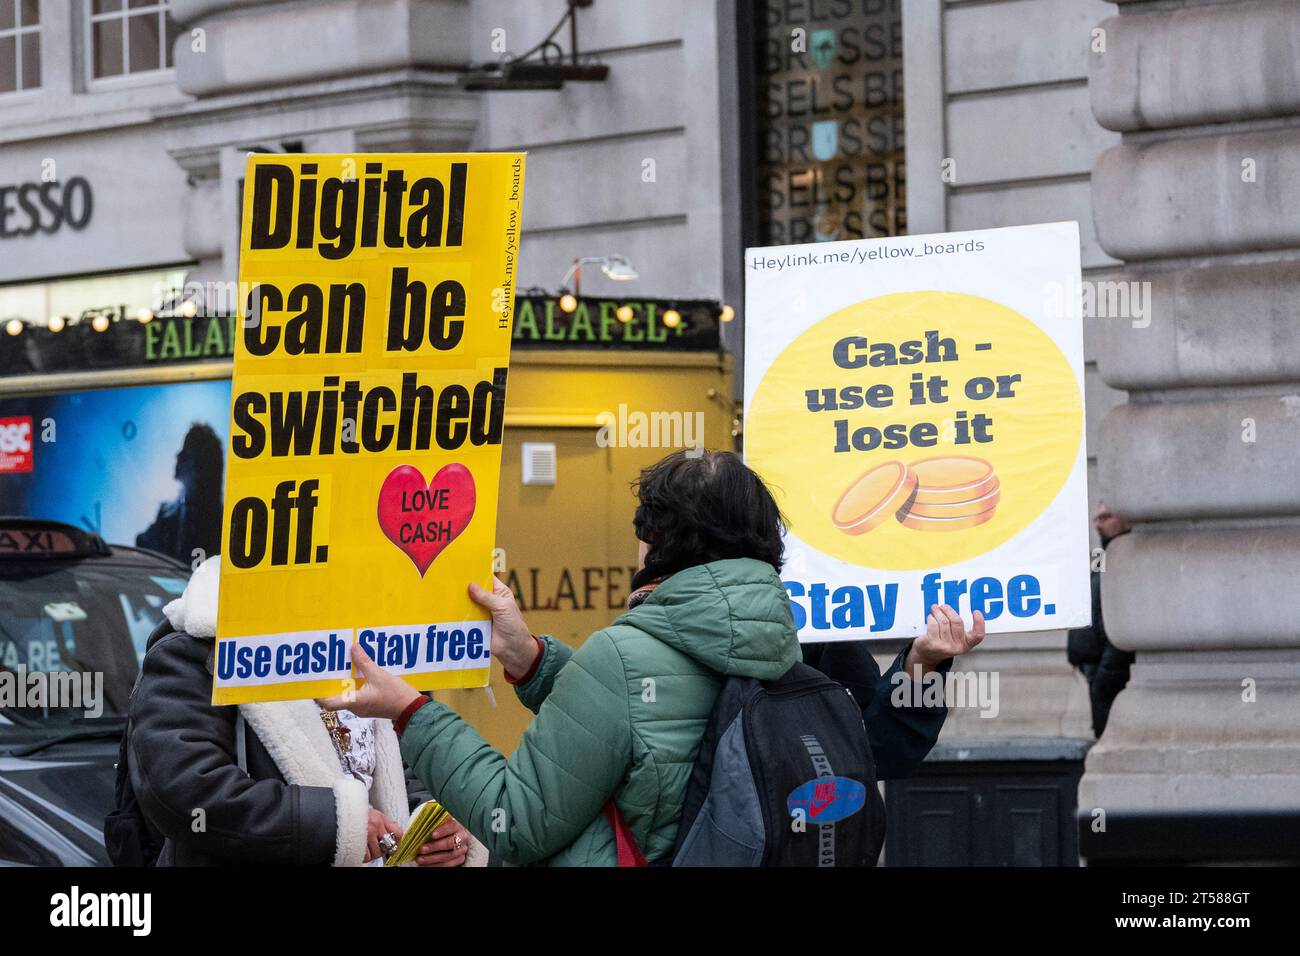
1202,202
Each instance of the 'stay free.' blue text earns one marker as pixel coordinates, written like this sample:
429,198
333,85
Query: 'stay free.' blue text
874,607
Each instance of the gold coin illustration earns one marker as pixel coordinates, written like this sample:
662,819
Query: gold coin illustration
874,498
957,509
950,479
946,524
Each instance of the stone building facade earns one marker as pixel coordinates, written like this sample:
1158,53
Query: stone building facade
1199,198
1012,111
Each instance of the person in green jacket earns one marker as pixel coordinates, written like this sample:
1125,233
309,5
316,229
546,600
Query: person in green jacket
621,717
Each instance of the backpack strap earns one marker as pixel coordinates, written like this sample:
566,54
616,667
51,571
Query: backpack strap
629,854
241,740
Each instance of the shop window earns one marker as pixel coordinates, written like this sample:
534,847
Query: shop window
20,45
823,83
127,37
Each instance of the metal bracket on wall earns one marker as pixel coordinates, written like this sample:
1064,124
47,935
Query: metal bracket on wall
548,71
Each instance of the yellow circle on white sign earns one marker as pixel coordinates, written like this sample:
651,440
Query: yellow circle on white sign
950,412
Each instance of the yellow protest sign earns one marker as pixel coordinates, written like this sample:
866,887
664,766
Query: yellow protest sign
370,370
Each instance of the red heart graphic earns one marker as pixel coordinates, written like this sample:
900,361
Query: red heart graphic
423,519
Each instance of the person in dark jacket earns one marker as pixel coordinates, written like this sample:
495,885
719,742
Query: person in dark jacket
269,784
901,734
1104,665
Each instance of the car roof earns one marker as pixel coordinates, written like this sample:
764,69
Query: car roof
91,549
126,554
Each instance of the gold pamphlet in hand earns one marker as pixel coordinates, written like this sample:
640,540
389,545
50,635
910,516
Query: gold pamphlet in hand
427,818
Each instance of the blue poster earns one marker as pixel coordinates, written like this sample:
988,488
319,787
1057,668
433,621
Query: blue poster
139,465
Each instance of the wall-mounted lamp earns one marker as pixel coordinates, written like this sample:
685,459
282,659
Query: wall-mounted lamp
614,267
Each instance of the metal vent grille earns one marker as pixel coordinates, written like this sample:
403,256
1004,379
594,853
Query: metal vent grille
539,463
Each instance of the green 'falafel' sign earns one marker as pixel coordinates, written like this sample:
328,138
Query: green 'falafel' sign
655,324
541,322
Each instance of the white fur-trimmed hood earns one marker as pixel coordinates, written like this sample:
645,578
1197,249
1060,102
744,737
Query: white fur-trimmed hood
195,611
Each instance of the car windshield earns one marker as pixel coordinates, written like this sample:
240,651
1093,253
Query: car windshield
72,638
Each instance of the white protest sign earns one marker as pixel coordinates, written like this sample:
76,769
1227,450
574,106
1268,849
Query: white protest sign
916,405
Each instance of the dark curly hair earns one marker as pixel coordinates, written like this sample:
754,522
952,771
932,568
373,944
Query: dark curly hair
700,507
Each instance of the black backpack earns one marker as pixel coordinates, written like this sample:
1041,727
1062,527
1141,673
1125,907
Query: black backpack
784,777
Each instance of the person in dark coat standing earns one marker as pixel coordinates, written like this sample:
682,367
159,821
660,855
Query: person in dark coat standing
1105,666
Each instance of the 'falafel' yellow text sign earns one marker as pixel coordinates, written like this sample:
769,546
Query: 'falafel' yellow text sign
916,405
376,299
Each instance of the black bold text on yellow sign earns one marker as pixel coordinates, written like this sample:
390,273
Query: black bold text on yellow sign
370,372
